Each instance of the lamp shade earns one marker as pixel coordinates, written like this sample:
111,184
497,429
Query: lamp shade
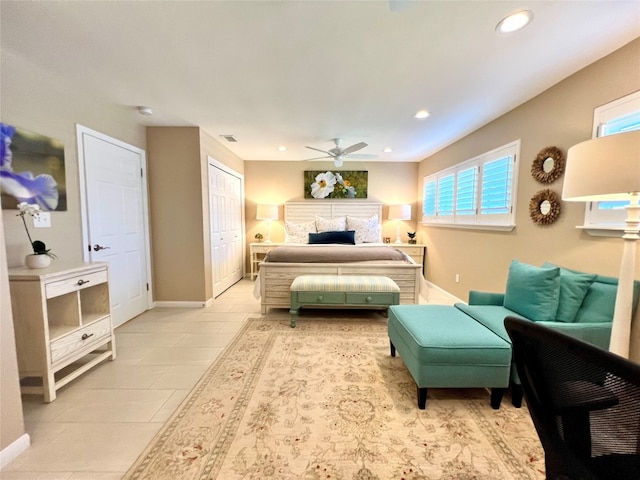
604,168
267,212
400,212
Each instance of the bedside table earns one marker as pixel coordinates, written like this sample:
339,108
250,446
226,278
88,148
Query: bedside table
258,251
414,250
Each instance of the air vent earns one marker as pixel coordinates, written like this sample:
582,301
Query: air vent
229,138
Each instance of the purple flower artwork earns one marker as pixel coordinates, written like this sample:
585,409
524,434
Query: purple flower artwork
32,170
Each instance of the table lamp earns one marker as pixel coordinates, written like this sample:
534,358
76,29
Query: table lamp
267,212
398,213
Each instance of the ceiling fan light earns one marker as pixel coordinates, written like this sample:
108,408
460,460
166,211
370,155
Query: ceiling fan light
514,22
338,161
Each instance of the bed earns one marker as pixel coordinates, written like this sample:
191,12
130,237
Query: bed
275,277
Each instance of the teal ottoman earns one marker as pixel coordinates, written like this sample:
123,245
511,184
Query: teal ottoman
445,348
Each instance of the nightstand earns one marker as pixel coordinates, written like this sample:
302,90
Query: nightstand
258,251
61,314
415,251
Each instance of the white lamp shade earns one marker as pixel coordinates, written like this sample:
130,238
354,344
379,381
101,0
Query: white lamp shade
267,212
400,212
604,168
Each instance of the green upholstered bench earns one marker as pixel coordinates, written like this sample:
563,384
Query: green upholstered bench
342,290
445,348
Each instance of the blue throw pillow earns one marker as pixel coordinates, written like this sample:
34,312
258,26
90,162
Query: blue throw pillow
344,237
533,292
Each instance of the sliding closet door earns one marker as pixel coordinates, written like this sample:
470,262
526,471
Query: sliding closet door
225,205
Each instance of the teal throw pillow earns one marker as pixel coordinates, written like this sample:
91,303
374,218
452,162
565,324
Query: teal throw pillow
573,289
533,292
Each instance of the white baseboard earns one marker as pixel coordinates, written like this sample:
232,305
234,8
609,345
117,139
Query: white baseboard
181,304
11,452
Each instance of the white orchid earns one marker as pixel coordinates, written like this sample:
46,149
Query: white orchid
33,209
323,185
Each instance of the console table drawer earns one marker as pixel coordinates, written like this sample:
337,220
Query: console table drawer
79,339
68,285
372,298
321,297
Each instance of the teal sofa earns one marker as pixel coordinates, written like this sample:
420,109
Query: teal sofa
576,303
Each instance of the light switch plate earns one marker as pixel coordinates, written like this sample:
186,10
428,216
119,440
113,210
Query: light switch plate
42,220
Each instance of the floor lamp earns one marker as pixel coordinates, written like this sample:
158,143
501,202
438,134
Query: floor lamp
398,213
603,169
267,212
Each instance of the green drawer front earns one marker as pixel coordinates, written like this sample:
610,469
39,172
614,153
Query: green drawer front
377,298
320,297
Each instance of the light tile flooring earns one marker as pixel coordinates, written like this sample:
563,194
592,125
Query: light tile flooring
101,422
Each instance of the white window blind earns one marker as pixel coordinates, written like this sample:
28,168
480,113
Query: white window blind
622,115
479,192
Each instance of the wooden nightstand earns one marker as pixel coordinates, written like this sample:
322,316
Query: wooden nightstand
258,251
415,251
60,315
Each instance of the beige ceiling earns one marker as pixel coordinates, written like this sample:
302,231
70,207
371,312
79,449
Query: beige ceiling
299,73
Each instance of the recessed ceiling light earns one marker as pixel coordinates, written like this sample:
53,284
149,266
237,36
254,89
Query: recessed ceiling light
142,110
282,148
421,114
514,22
388,150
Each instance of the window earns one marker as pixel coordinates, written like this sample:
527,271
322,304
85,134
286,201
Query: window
622,115
477,193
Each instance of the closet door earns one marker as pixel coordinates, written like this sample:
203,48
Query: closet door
225,205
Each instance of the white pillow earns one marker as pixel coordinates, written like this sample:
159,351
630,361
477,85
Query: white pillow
367,229
335,224
298,232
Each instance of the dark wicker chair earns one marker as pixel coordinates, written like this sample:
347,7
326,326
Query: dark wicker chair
584,402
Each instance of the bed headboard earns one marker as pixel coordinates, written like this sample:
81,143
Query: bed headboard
306,211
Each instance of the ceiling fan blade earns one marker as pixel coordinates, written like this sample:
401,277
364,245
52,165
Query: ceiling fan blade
318,150
354,148
362,155
316,158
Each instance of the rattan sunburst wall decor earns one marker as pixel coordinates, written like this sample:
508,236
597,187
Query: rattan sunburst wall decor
548,165
544,207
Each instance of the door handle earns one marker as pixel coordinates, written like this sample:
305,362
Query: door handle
97,247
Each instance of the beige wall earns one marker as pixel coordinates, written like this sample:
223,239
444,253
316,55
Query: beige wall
11,416
280,182
177,160
561,116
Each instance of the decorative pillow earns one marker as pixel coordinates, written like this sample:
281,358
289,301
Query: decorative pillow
367,229
344,237
335,224
533,292
573,289
298,232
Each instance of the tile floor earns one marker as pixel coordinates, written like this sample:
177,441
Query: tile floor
101,422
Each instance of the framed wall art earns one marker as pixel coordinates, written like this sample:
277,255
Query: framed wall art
32,169
328,184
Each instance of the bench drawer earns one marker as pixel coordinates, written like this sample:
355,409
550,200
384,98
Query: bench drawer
321,297
372,298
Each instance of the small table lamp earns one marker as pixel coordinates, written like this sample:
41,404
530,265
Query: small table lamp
267,212
398,213
605,169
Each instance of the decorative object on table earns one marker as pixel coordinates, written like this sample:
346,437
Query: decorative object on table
267,212
31,169
608,169
399,213
326,184
258,236
387,239
41,256
548,165
412,238
544,207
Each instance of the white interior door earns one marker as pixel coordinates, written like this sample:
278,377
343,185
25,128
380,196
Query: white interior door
114,218
225,205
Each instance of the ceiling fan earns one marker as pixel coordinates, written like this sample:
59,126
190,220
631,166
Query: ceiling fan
339,154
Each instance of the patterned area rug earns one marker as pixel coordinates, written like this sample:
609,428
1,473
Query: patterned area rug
327,401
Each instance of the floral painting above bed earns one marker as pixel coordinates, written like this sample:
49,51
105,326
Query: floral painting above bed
326,184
